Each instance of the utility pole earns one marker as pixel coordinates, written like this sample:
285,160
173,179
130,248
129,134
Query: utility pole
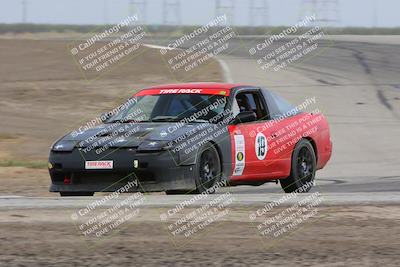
24,11
375,14
225,7
105,15
259,12
138,7
326,11
172,12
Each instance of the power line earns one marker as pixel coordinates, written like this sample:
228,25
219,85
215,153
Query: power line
105,14
172,12
259,12
327,12
225,7
138,7
375,15
24,11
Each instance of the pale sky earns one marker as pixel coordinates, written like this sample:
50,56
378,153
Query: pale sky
281,12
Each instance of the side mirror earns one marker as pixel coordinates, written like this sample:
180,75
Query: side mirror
244,116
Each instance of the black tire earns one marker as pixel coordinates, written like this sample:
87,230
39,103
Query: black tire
303,168
76,194
208,169
176,192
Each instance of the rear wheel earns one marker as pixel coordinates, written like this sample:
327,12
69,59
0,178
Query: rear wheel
303,168
76,194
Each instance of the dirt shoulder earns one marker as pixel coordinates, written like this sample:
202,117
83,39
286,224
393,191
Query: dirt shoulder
44,95
339,236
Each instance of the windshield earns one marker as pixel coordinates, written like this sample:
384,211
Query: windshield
172,107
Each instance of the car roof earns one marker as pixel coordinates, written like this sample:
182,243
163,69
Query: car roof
200,85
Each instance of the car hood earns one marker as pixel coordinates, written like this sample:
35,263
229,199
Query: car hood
132,134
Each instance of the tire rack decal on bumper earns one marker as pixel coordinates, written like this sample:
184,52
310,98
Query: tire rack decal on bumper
240,156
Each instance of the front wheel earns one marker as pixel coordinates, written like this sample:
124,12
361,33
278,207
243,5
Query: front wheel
208,169
177,192
207,172
303,169
76,194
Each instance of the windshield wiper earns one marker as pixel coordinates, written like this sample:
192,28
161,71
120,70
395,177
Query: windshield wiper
176,119
126,121
200,121
164,118
114,121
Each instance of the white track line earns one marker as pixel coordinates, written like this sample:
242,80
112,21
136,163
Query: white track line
225,70
226,73
158,47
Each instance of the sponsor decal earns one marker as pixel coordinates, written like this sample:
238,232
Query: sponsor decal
58,147
136,163
99,164
261,146
183,91
163,133
240,155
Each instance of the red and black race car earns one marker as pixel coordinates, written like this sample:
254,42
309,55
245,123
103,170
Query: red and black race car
191,137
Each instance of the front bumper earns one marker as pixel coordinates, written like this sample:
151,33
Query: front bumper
157,171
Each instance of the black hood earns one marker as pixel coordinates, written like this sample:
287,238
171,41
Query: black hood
132,134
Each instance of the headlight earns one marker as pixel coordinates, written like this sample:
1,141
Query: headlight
153,146
158,146
64,146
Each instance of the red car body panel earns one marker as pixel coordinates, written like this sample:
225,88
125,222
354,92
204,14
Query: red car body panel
281,135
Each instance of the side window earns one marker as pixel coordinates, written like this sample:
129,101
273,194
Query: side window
251,101
282,104
277,106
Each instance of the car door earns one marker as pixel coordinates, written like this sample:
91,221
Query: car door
249,140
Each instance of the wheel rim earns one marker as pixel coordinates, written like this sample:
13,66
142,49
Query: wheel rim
208,168
305,165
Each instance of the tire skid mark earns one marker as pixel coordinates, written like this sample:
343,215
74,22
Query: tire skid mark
358,55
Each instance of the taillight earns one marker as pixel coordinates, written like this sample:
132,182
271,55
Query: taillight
67,180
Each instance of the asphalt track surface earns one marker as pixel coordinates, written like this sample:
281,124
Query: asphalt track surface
356,82
357,87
